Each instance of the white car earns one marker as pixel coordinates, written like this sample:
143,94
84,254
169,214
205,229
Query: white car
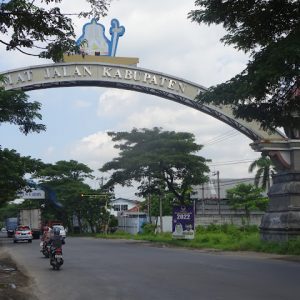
23,233
62,230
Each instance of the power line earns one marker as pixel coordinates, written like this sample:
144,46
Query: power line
231,182
220,135
223,139
230,162
224,136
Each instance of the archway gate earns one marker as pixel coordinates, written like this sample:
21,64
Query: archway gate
283,218
129,78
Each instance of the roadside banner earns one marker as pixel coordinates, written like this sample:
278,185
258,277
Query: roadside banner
33,194
183,222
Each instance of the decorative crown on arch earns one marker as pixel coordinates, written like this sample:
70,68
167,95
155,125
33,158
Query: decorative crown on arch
93,40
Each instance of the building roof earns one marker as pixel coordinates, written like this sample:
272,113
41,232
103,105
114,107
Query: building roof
124,200
209,190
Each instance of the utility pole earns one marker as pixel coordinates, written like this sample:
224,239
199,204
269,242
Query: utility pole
101,181
218,182
203,210
160,213
218,187
149,201
138,217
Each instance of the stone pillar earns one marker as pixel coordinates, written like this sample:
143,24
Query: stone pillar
281,221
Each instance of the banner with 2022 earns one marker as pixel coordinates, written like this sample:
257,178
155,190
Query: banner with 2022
183,226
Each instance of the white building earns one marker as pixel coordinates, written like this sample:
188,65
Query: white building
211,189
121,204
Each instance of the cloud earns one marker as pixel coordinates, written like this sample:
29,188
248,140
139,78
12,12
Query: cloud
94,150
221,140
115,102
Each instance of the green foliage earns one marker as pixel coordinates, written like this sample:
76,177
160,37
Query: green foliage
24,25
15,109
148,228
13,168
113,222
265,168
218,237
66,178
247,197
167,205
70,170
268,89
8,211
159,160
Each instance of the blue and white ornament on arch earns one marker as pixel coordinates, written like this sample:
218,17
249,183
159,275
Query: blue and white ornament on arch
93,40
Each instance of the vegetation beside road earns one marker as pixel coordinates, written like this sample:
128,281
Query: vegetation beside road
218,237
14,284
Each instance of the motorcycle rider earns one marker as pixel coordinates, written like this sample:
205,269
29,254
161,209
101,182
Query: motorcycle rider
45,239
55,239
56,259
46,234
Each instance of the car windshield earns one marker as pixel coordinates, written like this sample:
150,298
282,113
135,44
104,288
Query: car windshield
59,227
23,228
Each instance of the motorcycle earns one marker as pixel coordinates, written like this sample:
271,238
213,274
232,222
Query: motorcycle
56,258
45,248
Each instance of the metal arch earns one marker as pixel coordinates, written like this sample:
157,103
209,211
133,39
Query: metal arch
156,92
193,104
252,131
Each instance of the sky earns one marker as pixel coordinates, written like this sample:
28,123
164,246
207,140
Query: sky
165,40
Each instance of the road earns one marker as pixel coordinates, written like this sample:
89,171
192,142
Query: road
120,269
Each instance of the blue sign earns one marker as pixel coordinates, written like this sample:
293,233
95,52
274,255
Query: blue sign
93,40
183,222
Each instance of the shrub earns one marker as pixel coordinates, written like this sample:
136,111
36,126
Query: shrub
251,228
200,229
213,228
148,228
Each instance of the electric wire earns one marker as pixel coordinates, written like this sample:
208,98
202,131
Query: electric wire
224,136
230,182
230,162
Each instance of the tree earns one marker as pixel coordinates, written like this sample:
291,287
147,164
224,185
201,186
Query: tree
49,33
247,197
66,178
13,168
96,211
62,169
15,109
265,168
166,157
268,90
9,210
167,205
42,28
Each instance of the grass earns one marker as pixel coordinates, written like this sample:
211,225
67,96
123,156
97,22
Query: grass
224,237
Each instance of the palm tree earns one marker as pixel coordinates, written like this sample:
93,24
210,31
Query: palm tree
265,168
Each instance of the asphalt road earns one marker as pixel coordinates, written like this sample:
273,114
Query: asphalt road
118,269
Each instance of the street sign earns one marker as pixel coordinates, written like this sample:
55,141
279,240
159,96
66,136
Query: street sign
33,194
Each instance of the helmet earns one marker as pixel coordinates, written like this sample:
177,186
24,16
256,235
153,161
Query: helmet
56,231
46,228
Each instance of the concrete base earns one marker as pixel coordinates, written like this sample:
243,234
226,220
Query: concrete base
282,219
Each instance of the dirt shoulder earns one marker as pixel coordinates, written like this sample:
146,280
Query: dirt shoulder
15,284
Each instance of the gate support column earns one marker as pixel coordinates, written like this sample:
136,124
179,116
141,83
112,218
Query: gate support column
281,221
